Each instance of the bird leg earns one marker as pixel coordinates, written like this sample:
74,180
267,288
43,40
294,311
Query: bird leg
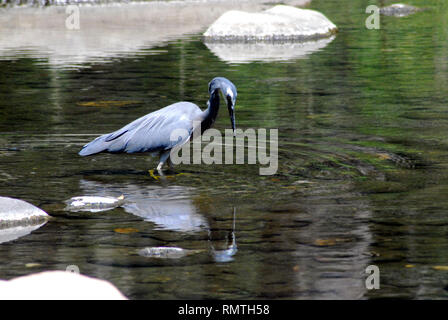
159,169
170,163
151,173
164,156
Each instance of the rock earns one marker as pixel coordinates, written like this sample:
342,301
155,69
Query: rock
296,3
108,30
237,52
19,218
58,285
166,252
47,3
399,10
15,211
280,23
93,203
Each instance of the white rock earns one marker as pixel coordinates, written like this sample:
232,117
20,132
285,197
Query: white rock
277,23
93,203
399,10
58,285
15,210
108,30
166,252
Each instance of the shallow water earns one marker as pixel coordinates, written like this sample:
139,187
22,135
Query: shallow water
362,175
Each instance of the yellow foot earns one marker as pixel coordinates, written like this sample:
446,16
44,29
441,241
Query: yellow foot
158,177
183,174
172,176
151,173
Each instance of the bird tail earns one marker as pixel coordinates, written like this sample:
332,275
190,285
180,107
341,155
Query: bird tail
96,146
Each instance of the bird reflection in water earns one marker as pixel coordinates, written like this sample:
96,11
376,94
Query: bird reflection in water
230,248
170,208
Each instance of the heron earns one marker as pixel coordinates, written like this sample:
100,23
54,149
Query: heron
152,133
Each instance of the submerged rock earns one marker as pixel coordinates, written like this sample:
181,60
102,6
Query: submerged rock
399,10
58,285
166,252
93,203
280,23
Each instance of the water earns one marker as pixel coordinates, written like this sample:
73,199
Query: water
362,175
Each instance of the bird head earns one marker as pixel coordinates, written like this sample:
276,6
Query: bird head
229,92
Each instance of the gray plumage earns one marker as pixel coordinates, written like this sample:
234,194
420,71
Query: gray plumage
148,133
152,132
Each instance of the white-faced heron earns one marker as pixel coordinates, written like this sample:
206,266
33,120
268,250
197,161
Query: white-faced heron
152,132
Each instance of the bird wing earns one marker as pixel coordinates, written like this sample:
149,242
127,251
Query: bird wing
159,130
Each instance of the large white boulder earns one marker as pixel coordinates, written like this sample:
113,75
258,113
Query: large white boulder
58,285
278,23
15,210
19,218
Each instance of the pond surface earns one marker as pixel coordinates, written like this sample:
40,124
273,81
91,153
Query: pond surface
362,177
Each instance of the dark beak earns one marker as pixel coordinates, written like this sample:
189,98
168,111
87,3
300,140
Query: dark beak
230,106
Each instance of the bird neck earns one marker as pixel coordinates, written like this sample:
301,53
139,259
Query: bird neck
212,111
